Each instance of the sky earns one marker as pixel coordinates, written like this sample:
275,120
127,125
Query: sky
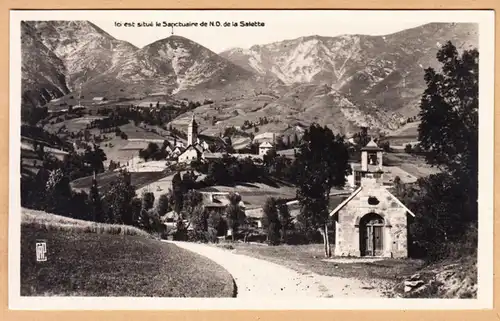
278,25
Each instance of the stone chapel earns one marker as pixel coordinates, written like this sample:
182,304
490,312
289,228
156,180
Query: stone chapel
371,221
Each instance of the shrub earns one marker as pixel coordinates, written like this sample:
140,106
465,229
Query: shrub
181,233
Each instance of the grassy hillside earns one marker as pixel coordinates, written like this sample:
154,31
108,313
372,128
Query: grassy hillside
104,264
138,179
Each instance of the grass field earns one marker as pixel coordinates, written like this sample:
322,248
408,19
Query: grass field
309,258
413,164
134,132
138,179
102,264
256,194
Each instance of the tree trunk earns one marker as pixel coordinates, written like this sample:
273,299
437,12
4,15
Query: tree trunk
328,248
325,240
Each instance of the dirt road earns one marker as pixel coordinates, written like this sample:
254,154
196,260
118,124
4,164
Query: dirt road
259,278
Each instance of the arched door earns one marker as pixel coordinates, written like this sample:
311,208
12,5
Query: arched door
371,235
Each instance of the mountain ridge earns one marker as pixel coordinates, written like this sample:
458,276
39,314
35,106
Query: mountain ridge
353,79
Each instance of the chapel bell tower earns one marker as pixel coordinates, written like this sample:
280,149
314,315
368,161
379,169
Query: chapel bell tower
371,163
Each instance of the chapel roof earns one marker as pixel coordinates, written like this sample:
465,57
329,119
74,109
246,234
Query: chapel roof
356,192
371,146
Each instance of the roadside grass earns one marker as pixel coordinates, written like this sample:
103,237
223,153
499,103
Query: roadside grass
106,263
309,258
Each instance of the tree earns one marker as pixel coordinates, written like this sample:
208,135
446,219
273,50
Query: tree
216,221
361,138
234,214
445,204
119,198
163,205
58,194
271,221
145,220
448,131
322,163
386,146
449,110
152,151
95,157
191,200
285,220
95,203
177,192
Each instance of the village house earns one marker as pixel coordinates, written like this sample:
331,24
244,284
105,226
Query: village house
191,153
371,221
177,151
99,99
264,148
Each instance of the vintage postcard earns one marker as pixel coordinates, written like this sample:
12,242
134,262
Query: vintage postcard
251,159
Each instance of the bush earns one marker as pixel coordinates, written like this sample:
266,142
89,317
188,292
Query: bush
297,238
181,233
196,236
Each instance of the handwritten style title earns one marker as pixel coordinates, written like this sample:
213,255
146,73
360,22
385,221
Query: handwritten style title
166,24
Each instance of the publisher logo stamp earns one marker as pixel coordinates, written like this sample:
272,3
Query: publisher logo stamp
41,250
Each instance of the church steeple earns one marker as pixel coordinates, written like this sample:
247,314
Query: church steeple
192,131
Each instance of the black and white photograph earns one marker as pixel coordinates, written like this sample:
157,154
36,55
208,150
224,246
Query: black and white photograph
251,159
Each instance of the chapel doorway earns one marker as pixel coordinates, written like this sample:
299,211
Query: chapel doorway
371,235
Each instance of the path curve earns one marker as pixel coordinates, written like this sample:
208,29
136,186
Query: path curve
260,278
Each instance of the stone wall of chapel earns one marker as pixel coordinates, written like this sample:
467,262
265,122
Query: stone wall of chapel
395,233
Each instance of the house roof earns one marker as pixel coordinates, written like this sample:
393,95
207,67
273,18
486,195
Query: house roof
266,145
135,145
171,215
213,155
198,149
356,192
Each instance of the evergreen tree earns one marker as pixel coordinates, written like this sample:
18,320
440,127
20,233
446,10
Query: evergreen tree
95,203
285,220
163,205
271,221
234,214
178,193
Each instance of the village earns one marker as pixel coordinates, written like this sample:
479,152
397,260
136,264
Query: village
183,153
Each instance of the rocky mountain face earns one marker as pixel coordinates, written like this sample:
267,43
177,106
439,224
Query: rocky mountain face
344,82
373,72
172,65
109,67
43,73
